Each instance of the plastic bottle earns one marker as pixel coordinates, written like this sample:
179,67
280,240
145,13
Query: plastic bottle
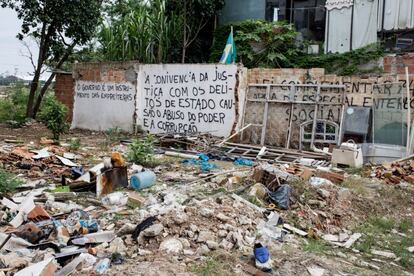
117,199
80,241
103,266
99,237
143,180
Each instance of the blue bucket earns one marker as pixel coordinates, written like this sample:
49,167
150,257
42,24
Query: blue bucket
142,180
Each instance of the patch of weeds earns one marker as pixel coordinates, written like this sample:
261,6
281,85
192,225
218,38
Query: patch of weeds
61,189
74,144
405,226
394,271
366,243
113,135
378,235
213,192
354,171
141,152
355,184
382,224
216,263
255,201
117,217
299,186
315,246
8,182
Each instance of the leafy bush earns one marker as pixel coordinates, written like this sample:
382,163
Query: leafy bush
8,182
13,107
274,45
142,151
344,64
53,115
259,43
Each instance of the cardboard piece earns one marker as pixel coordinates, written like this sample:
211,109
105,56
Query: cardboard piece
45,268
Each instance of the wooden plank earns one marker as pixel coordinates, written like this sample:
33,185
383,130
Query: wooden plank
315,115
289,134
265,115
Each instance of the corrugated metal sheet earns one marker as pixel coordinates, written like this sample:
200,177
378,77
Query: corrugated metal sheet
365,23
338,30
364,26
395,15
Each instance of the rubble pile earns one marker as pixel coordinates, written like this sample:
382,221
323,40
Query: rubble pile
322,208
396,172
47,163
113,213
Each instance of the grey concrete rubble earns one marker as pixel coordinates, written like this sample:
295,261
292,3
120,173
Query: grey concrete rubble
186,218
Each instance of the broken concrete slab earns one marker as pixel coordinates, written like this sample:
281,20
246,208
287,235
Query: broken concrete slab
44,268
295,230
316,271
330,238
354,237
386,254
171,246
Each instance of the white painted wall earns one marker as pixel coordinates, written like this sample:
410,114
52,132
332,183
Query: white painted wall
104,105
176,98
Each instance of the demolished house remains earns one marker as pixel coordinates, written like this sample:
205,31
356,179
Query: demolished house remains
242,162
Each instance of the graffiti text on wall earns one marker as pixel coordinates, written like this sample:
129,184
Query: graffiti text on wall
196,98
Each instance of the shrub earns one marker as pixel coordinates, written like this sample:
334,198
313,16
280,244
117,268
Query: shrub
8,182
53,115
13,107
275,45
142,151
259,43
74,144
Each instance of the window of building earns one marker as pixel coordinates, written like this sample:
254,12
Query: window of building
308,16
326,132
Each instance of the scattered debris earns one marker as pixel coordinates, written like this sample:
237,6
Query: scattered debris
76,217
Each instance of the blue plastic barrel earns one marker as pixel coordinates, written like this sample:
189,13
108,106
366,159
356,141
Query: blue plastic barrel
143,180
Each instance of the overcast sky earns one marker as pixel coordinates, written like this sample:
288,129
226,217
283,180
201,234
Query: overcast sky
11,59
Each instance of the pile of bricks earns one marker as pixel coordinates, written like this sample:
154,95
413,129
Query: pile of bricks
394,173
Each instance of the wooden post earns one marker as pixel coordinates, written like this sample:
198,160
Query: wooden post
315,115
291,98
408,144
265,111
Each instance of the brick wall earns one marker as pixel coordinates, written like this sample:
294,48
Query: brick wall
64,91
395,64
106,72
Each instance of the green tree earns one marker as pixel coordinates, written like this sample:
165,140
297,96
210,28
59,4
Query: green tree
58,26
197,17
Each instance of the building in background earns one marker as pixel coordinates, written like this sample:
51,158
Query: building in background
338,25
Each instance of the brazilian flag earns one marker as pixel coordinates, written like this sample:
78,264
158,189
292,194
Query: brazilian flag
229,54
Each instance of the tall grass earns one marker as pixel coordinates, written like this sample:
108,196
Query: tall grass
147,33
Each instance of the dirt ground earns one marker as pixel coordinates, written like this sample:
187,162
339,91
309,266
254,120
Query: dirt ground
217,232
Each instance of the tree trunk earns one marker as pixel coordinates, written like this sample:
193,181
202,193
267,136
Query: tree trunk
33,87
43,50
50,79
184,33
